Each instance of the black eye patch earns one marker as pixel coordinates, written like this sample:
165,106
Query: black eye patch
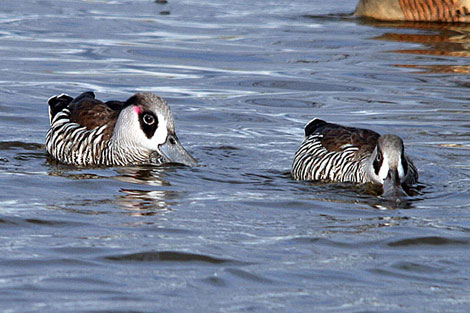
148,123
378,162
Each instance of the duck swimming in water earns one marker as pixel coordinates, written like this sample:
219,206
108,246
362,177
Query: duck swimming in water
86,131
335,153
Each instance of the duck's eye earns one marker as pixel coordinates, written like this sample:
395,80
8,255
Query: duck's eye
148,123
378,158
148,119
377,163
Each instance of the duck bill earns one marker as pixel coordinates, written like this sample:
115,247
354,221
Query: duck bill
173,152
392,186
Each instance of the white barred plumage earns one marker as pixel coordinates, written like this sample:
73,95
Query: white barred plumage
335,153
314,162
88,132
71,143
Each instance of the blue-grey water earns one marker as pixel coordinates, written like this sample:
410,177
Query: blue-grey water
235,234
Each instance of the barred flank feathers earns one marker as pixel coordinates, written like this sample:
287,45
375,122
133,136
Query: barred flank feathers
313,162
71,143
76,143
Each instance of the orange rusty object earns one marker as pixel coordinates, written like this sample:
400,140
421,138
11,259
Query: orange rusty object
415,10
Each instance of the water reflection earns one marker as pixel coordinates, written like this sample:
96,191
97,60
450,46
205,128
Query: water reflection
143,202
147,175
353,226
368,195
144,194
437,40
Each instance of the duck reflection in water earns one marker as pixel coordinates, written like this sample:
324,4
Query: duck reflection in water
448,34
436,40
141,201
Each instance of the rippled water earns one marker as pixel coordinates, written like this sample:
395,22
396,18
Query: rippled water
236,234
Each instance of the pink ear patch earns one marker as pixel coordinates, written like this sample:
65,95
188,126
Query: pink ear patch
138,109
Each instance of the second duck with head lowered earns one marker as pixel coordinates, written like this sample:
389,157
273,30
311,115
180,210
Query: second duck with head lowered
88,132
335,153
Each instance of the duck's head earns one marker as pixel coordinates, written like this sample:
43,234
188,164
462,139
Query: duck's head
389,165
146,123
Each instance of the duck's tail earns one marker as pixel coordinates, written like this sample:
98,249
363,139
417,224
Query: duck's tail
57,104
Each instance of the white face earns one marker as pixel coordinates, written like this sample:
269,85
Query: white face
401,170
129,128
391,160
384,169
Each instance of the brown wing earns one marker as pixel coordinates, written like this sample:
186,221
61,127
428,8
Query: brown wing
337,137
93,113
90,112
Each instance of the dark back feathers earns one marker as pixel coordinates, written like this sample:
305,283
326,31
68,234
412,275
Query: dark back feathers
335,136
88,111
